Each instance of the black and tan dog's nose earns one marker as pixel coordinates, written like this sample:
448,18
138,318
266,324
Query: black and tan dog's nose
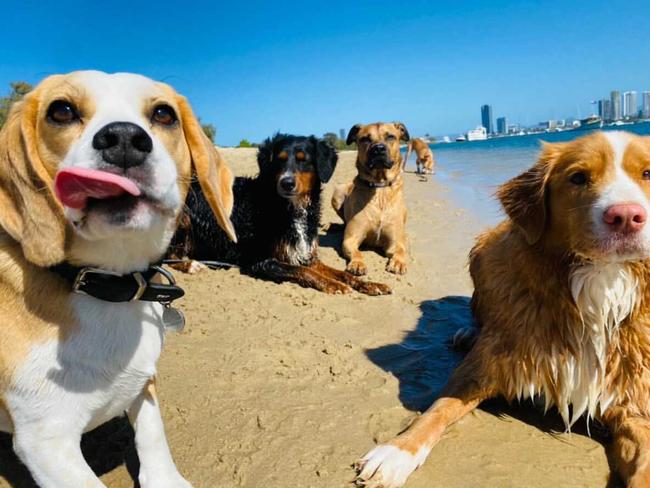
123,144
288,183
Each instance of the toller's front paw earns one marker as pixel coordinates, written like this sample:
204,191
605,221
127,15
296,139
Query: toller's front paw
386,466
396,265
356,267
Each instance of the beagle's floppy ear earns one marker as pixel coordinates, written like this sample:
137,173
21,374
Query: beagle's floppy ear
215,178
326,159
29,213
352,135
524,197
404,133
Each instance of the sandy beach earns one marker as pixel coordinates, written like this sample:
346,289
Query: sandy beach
276,386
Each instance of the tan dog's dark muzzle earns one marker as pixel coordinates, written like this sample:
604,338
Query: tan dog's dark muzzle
378,157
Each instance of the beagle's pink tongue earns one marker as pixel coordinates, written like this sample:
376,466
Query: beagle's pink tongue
74,186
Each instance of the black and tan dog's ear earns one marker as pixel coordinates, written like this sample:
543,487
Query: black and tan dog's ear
524,197
29,212
265,152
352,135
326,159
403,132
215,178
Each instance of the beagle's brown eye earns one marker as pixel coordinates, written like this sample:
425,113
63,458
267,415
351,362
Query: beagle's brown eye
365,139
646,174
579,178
164,114
390,137
62,112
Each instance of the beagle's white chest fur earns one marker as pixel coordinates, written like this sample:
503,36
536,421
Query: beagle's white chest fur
97,372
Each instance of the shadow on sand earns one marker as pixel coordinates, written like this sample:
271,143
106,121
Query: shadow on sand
424,360
105,448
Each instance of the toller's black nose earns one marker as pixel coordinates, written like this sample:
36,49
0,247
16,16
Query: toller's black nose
123,144
288,183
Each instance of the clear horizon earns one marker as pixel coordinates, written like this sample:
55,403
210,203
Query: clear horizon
253,69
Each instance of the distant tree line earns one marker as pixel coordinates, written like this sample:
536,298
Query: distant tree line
337,142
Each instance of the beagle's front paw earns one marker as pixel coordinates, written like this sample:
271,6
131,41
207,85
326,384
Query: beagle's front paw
160,479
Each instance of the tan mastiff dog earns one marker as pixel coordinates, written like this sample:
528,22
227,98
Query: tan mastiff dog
372,205
424,156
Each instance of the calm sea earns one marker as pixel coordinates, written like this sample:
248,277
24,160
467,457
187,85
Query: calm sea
473,170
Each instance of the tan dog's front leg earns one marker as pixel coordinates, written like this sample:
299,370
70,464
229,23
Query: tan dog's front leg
157,468
630,451
396,253
351,243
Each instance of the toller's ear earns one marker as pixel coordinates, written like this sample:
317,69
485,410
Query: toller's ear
29,213
214,176
524,197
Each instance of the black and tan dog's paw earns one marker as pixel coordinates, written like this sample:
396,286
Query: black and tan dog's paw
373,289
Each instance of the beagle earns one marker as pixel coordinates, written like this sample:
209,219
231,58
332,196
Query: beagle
562,299
94,170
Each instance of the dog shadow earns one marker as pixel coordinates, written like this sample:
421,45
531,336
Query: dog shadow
424,360
105,448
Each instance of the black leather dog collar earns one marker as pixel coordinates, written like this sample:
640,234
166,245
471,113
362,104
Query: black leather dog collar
112,287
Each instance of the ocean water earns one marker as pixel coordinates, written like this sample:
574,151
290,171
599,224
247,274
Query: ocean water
474,170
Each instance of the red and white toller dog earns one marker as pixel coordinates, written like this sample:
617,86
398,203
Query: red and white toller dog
562,303
69,362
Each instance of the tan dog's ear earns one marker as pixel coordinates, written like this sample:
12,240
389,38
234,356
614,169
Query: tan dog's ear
404,134
214,176
524,197
29,213
352,135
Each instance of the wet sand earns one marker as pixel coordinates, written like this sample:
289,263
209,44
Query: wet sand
276,386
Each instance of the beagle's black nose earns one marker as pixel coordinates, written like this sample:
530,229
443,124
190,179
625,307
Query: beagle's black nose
123,144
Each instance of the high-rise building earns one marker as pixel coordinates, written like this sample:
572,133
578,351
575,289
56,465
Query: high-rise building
605,109
342,134
502,125
645,105
630,106
486,118
615,107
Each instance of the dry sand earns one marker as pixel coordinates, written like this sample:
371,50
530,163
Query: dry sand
274,386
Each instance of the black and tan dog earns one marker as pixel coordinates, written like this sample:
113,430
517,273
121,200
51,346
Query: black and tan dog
276,216
372,205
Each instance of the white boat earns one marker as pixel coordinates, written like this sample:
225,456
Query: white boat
478,134
461,138
446,139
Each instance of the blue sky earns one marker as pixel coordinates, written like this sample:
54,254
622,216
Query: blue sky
252,68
